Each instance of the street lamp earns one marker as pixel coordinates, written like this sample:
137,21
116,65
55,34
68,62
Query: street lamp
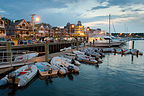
37,19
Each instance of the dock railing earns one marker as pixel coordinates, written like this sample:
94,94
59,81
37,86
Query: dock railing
8,58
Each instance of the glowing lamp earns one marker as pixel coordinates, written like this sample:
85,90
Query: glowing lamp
87,29
72,26
130,34
120,33
37,19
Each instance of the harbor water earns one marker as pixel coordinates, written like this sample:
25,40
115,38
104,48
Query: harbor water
117,76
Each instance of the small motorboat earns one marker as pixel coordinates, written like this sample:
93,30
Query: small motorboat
78,52
65,49
136,52
62,61
45,69
86,59
72,61
25,57
20,76
107,50
61,69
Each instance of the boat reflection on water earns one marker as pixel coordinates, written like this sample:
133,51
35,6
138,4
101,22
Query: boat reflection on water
48,79
14,88
70,76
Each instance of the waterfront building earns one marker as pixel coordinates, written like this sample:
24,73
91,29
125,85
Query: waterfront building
87,31
2,28
79,29
19,28
70,28
57,32
42,29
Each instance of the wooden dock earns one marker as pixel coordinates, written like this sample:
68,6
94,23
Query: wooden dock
40,47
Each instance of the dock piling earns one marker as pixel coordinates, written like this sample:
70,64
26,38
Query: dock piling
46,51
93,42
9,52
77,45
90,44
133,44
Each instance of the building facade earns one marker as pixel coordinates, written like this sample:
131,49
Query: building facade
19,28
2,28
79,29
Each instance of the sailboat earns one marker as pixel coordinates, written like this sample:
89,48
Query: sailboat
105,40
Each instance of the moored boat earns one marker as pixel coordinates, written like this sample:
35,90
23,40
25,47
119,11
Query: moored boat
45,69
62,61
86,59
20,76
61,69
25,57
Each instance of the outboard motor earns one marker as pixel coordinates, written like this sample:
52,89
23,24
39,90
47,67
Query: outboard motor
72,61
70,68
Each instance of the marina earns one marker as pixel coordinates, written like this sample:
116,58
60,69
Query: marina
71,48
117,75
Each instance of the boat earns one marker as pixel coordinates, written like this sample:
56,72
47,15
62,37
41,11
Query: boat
61,69
107,50
126,51
70,64
25,57
136,52
101,39
104,41
65,49
70,54
86,59
45,69
62,62
21,76
78,52
72,61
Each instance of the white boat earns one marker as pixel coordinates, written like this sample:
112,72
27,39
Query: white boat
62,70
67,62
104,41
63,62
72,61
70,54
78,52
136,52
20,76
45,69
25,57
107,50
65,49
86,59
126,51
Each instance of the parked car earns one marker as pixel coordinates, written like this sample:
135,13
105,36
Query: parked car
3,41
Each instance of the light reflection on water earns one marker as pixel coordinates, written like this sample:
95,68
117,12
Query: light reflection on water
116,76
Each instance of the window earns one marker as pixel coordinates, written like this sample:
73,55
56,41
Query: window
1,23
23,25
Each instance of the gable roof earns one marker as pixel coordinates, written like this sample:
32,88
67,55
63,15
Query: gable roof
18,22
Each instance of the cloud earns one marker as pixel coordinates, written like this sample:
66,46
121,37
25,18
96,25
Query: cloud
105,22
94,12
2,11
99,7
87,9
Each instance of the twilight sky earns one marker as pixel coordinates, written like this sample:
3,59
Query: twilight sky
126,15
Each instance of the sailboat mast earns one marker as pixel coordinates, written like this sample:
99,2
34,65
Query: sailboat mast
109,24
